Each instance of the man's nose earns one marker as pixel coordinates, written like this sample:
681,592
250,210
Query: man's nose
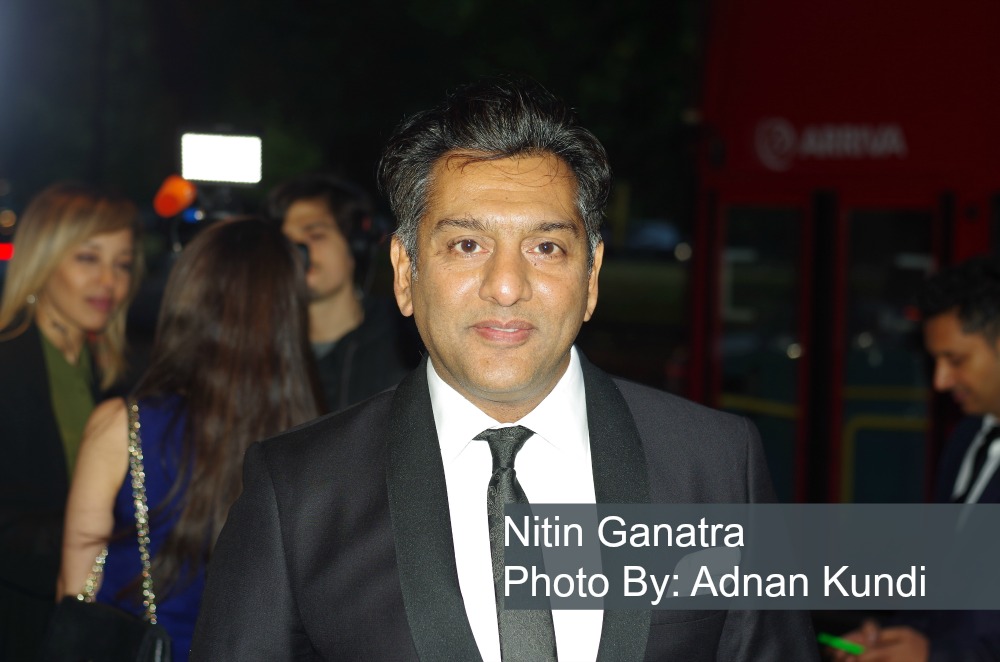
506,277
944,377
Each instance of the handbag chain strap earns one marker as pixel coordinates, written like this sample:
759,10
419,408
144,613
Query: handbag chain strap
141,508
90,587
138,474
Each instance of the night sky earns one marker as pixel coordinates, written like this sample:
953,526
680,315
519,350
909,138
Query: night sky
100,89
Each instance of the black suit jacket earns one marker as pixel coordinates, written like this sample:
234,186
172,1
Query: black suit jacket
33,489
33,477
951,461
958,636
340,547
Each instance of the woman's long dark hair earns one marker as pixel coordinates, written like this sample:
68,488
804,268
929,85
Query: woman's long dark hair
232,341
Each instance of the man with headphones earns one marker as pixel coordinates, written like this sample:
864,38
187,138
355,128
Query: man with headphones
360,346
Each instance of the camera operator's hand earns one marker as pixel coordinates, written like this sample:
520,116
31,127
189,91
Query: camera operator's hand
895,644
898,644
866,635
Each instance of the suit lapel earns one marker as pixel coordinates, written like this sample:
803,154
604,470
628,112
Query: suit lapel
23,356
28,361
421,525
620,476
421,520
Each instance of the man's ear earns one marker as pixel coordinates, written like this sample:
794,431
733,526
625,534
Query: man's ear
592,282
402,276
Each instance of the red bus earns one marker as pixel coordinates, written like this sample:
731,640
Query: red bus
848,149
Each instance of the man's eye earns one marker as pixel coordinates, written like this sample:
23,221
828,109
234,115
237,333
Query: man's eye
546,248
467,246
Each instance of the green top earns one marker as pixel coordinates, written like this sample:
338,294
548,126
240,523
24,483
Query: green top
72,399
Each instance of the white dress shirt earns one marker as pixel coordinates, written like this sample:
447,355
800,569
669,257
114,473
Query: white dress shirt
553,466
989,467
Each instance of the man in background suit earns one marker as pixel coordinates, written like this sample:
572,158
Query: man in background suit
960,307
364,535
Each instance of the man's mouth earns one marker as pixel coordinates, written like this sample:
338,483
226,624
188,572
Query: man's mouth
509,331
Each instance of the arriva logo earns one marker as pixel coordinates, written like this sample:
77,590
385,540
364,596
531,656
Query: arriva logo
779,145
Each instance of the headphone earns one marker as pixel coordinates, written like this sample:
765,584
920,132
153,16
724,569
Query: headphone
351,209
364,237
367,234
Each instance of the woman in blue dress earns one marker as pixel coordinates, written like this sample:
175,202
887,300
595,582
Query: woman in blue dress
230,365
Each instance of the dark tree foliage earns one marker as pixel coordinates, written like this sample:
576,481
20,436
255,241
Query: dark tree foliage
98,89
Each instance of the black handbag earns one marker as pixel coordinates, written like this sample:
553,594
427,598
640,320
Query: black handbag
93,631
82,629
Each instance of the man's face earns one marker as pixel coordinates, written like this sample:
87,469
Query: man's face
967,364
331,266
501,286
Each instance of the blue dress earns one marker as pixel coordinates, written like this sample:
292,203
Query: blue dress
162,426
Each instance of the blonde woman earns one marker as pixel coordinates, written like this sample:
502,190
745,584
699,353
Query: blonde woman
62,336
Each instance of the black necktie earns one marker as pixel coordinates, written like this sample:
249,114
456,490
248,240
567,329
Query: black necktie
525,635
978,462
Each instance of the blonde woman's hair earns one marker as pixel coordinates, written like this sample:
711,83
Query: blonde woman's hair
56,221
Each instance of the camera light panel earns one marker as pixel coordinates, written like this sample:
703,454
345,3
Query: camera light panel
224,158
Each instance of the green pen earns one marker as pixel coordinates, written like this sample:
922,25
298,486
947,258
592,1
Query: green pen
840,643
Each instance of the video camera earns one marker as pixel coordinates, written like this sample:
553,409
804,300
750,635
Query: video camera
212,165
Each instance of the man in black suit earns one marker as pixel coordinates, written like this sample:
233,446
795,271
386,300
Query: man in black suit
960,307
961,311
365,536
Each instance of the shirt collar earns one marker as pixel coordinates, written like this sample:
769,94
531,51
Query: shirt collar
560,419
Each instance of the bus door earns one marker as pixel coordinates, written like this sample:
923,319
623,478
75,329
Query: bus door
812,335
879,444
758,327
